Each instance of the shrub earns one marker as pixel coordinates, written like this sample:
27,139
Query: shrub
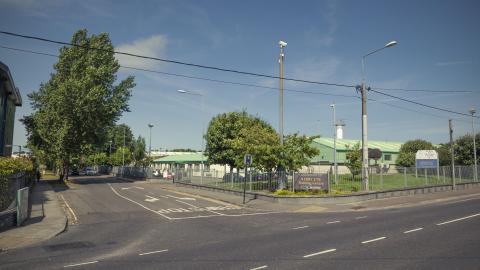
9,166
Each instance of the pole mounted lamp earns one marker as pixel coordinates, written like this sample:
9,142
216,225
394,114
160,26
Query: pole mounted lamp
364,116
475,171
150,143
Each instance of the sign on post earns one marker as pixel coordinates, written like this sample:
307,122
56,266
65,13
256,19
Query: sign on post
426,159
309,181
22,205
247,159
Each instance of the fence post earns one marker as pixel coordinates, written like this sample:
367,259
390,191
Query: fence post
250,178
460,174
381,178
426,179
405,184
293,182
443,170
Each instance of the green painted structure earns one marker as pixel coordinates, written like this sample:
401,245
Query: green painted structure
193,158
10,98
389,150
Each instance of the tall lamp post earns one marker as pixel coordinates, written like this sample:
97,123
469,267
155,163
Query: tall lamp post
281,59
187,92
150,141
364,117
475,172
334,143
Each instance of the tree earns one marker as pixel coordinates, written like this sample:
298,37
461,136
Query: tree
97,159
116,133
406,156
354,159
444,154
463,149
139,153
75,108
120,156
297,151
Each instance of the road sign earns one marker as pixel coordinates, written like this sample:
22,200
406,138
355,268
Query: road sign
426,159
309,181
247,159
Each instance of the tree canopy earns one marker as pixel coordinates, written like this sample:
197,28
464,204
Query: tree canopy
406,156
74,109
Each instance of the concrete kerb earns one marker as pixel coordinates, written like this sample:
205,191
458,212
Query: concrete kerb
348,198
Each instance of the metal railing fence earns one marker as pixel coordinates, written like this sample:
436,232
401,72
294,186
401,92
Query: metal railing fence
9,186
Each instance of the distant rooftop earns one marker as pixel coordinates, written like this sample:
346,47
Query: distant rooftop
385,146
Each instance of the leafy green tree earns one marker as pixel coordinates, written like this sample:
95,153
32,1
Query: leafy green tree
354,159
139,153
463,149
97,159
75,108
117,158
115,134
406,156
444,154
297,151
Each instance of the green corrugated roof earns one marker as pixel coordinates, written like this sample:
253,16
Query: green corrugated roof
384,146
185,158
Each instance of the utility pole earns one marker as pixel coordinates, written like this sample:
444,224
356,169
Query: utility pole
450,126
281,59
150,143
475,172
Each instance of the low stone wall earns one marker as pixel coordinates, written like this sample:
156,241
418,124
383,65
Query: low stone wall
8,219
357,197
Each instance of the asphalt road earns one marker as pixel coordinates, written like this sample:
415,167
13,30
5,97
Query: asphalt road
121,225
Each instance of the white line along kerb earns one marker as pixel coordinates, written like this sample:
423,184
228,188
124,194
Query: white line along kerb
458,219
373,240
78,264
319,253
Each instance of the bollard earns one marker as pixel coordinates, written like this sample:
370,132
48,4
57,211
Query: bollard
405,184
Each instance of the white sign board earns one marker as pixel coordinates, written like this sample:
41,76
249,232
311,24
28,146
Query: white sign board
426,154
426,159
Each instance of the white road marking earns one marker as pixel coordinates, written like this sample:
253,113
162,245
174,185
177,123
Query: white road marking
183,198
414,230
139,187
260,267
153,252
301,227
151,199
125,188
70,209
458,219
143,206
78,264
200,207
319,253
362,217
373,240
227,215
332,222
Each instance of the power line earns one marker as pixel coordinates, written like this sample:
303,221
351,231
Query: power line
421,90
193,77
175,61
421,104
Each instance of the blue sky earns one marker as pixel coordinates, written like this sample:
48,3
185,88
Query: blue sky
437,49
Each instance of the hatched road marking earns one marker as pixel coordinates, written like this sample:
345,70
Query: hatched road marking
179,198
151,199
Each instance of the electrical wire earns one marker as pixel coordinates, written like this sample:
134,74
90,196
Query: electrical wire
422,90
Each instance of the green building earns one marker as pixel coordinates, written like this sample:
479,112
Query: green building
389,150
9,99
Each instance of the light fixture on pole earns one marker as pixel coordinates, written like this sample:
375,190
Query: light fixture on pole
364,117
334,143
281,60
150,143
188,92
475,171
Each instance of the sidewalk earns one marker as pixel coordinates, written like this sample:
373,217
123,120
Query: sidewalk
47,219
377,204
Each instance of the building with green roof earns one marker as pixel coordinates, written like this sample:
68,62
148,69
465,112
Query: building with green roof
389,150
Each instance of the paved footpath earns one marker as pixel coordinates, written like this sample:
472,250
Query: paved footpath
47,219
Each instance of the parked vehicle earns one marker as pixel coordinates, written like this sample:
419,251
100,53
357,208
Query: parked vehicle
236,177
90,172
74,172
157,173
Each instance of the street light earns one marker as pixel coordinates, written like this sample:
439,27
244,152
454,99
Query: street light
472,112
281,59
334,143
187,92
150,143
364,117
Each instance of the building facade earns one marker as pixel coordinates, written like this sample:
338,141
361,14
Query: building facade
9,99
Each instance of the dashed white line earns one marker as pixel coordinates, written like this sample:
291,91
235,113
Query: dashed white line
373,240
332,222
319,253
362,217
78,264
301,227
153,252
413,230
458,219
220,214
260,267
139,187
